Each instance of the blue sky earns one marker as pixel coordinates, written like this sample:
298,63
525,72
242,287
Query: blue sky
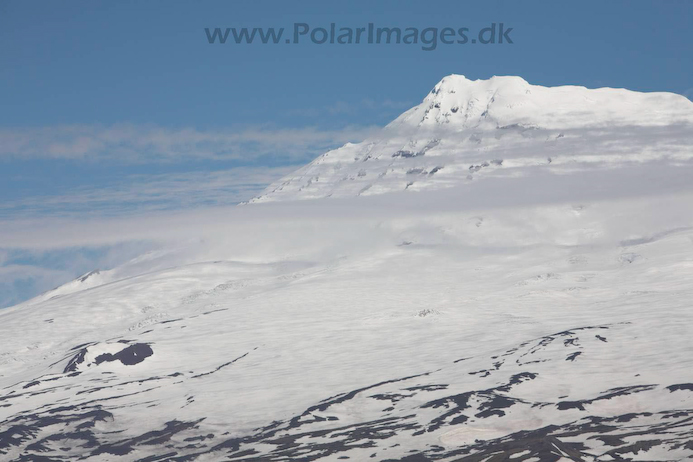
116,108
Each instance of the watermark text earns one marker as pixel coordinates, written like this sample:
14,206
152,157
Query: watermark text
428,38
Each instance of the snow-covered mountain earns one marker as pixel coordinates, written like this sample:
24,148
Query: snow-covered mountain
467,129
521,293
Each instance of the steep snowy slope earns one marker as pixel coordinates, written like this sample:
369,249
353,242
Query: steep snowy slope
465,130
535,312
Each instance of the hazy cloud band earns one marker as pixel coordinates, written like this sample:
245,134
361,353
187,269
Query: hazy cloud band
135,144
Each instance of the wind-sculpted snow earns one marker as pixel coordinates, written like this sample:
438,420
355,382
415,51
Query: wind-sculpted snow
541,314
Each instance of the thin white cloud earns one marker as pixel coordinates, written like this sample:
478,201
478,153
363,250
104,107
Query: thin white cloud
149,192
314,230
19,281
28,272
134,143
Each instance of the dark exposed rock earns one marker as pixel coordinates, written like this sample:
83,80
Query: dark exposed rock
133,354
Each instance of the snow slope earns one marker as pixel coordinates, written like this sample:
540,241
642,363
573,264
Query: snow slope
535,312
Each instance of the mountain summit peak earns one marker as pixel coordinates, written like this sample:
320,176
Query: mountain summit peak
454,83
469,103
510,100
